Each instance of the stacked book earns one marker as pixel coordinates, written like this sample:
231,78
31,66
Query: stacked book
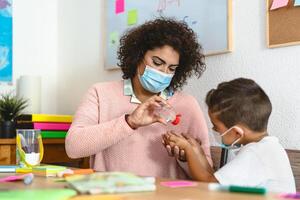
42,170
51,126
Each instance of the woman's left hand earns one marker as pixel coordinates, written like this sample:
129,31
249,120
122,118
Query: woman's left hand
178,145
173,149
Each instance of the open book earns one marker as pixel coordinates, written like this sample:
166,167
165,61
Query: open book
111,182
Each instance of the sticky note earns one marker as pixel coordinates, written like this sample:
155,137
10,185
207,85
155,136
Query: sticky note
297,3
119,6
132,17
176,184
279,3
114,38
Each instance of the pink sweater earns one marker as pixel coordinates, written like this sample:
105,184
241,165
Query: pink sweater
99,130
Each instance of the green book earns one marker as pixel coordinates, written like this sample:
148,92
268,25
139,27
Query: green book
42,170
45,194
53,134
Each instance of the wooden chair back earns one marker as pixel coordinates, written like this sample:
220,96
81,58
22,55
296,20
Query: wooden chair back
294,156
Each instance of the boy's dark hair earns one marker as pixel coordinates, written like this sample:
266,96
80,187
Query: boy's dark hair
155,34
240,101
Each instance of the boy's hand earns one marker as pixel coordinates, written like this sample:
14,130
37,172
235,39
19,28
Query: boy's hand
177,140
195,144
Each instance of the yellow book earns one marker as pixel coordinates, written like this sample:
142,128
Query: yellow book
45,118
42,170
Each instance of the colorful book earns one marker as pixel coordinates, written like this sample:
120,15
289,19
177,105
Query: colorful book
43,170
45,118
110,182
53,134
8,168
43,125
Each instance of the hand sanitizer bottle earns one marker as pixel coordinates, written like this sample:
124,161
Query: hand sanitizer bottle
168,113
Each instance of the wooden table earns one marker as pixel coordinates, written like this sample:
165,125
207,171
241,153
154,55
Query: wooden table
162,193
54,153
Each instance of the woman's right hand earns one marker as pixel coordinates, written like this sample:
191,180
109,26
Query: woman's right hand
144,114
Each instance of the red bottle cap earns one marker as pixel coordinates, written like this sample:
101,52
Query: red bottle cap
176,120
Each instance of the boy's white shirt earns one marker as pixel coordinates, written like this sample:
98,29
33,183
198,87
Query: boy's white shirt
264,163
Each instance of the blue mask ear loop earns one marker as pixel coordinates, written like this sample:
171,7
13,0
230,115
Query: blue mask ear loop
239,130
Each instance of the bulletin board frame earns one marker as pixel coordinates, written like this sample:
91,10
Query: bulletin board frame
281,25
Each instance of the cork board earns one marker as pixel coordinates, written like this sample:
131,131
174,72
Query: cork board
283,25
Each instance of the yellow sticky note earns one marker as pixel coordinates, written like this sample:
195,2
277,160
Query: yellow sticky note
114,38
132,17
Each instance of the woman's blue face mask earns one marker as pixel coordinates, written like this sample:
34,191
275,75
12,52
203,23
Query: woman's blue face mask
154,80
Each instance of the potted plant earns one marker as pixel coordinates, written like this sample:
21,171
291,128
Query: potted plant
11,107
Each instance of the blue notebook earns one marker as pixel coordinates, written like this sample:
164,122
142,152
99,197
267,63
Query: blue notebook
8,168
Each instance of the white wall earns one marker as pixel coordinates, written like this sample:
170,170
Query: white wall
80,51
62,41
35,47
276,70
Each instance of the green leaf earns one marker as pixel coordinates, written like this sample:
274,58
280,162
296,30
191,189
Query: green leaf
11,106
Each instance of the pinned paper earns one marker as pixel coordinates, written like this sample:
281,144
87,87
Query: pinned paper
279,3
113,38
132,17
297,3
119,5
176,184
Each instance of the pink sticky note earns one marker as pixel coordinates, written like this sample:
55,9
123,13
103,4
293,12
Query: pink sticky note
120,4
13,178
176,184
279,3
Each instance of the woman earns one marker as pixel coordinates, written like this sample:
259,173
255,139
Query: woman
115,124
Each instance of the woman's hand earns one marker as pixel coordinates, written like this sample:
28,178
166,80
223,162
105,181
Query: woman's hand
178,145
144,114
173,150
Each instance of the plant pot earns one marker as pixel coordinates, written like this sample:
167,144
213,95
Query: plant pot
8,129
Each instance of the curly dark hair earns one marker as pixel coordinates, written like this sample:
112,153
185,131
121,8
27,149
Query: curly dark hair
155,34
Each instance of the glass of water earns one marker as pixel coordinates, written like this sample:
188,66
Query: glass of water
30,148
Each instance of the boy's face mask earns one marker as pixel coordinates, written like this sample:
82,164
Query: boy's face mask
233,145
154,80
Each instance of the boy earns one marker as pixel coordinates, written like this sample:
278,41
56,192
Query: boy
239,111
